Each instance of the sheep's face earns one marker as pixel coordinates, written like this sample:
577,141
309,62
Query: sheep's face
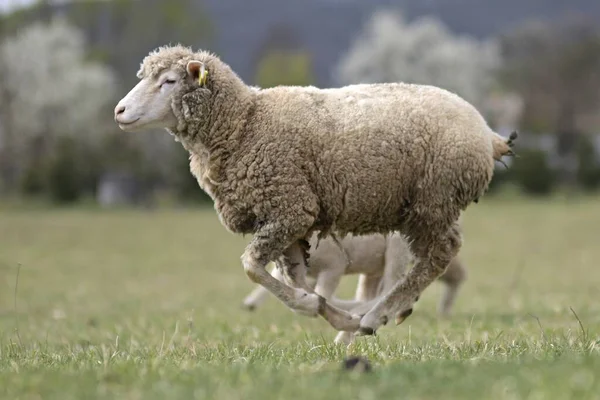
149,104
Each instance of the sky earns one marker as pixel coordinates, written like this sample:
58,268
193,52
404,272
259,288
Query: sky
6,5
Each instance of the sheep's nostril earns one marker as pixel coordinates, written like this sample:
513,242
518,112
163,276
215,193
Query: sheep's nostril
119,110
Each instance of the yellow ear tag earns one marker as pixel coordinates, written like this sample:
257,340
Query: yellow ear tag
202,77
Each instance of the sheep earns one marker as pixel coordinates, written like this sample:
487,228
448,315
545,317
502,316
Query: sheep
380,260
285,162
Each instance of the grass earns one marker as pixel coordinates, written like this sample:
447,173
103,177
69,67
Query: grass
146,305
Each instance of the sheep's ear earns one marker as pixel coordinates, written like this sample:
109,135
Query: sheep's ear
197,71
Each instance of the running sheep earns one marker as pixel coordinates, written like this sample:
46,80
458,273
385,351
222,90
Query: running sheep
285,162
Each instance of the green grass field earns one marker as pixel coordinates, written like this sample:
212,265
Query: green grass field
146,305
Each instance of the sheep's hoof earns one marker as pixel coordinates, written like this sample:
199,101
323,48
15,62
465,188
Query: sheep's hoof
322,305
400,317
365,331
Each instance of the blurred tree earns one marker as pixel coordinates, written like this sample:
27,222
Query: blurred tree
51,91
187,188
556,70
425,52
122,32
65,177
284,68
281,60
119,33
532,172
588,173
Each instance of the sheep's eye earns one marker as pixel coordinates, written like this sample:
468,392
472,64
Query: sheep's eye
168,82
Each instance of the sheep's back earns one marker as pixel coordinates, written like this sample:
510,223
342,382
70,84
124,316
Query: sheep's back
368,150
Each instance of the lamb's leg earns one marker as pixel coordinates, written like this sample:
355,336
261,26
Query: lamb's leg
329,280
260,294
294,269
327,283
433,253
398,256
453,278
346,305
366,289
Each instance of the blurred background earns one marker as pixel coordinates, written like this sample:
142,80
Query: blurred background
528,65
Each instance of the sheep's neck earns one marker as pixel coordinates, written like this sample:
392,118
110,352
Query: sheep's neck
214,134
222,129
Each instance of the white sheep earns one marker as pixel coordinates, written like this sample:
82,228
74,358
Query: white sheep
285,162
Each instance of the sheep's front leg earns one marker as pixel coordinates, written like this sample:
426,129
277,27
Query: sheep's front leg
433,256
259,252
292,266
259,294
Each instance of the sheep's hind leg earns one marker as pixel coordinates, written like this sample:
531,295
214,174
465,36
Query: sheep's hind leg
433,253
453,278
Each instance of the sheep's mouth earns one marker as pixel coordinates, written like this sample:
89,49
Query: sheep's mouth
127,124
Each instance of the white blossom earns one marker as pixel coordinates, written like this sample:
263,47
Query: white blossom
425,52
54,90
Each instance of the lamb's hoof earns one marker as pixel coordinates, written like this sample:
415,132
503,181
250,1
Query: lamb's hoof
344,337
357,363
365,331
400,317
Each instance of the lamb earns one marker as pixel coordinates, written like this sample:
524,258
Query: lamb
380,260
286,162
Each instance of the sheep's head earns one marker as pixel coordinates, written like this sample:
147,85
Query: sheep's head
165,75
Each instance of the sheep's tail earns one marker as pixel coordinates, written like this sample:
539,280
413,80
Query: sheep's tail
503,147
